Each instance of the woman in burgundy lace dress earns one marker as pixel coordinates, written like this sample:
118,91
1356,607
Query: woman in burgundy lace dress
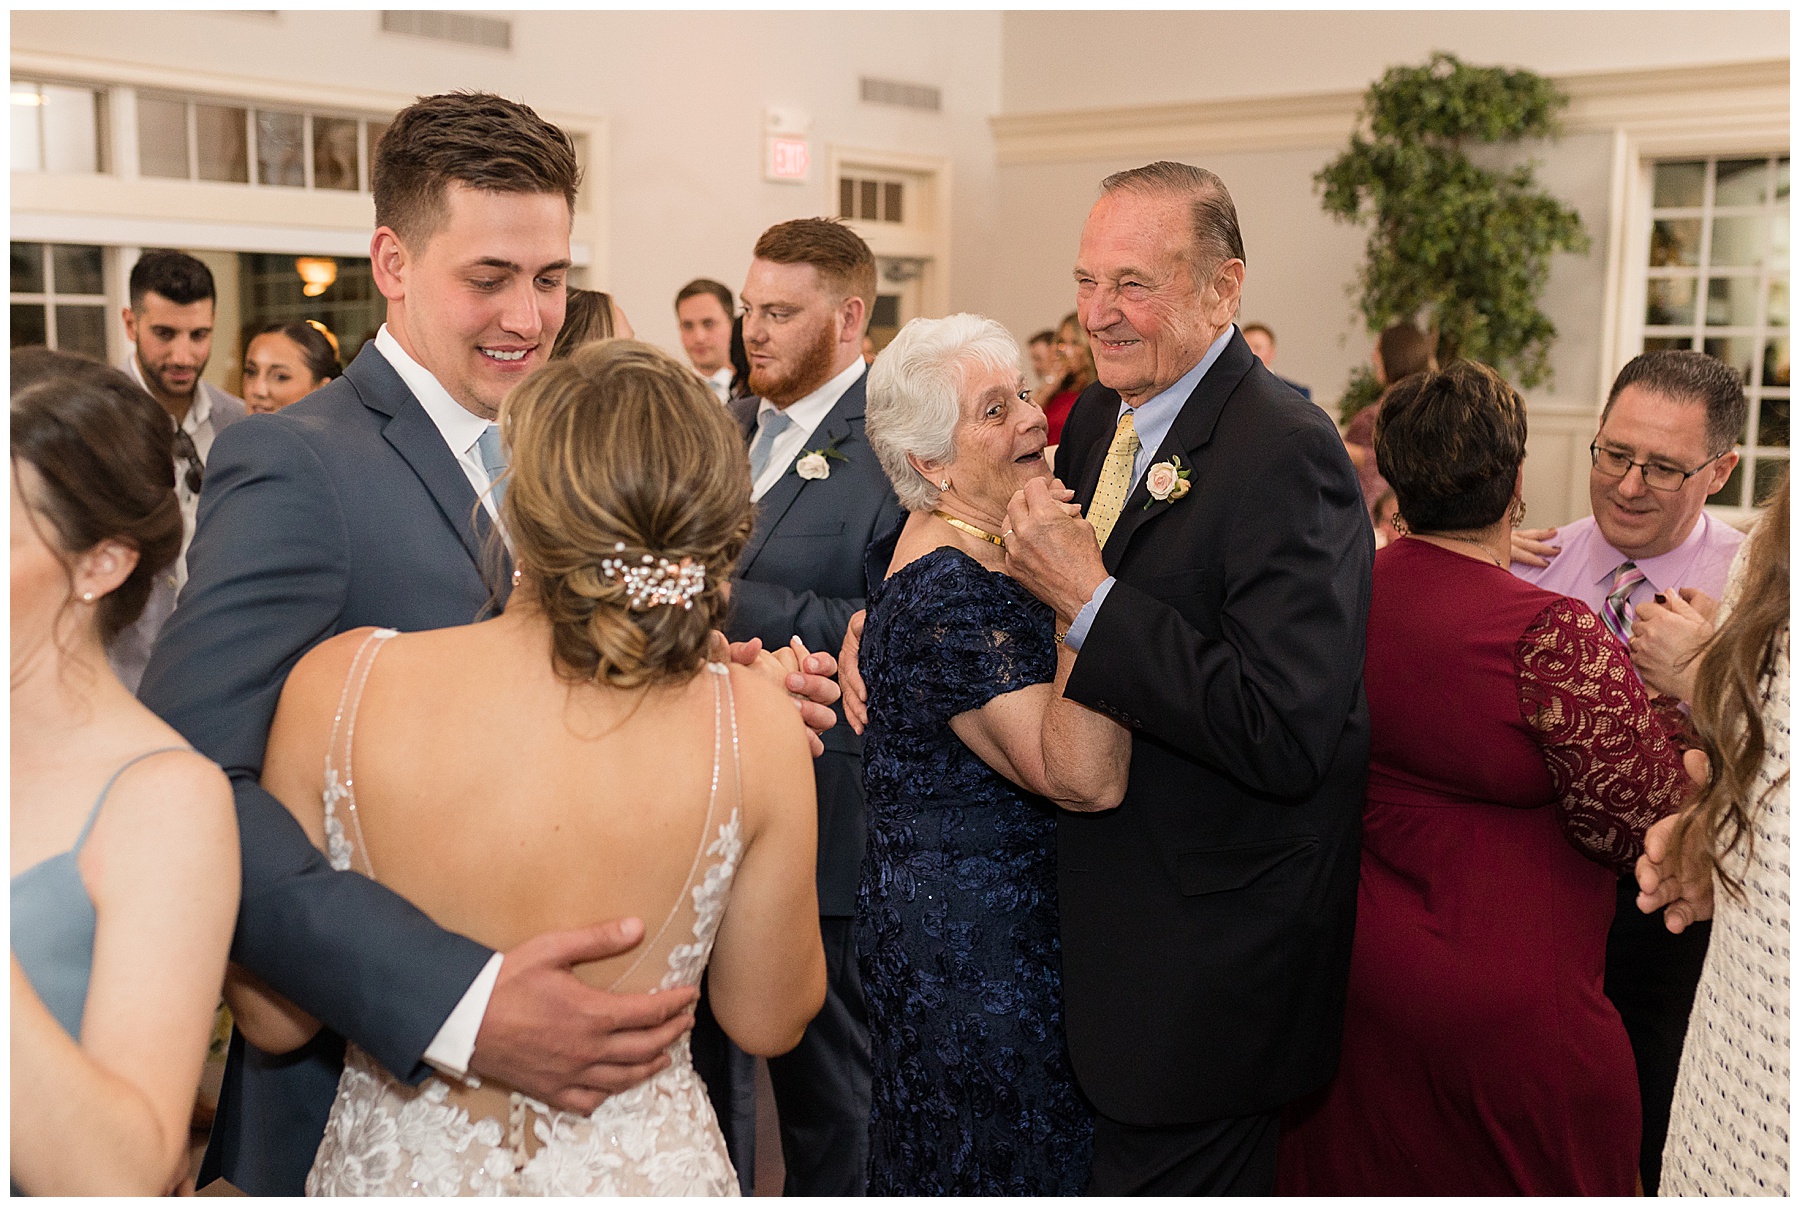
1515,763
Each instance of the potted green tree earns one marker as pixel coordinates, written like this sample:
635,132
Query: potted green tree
1461,247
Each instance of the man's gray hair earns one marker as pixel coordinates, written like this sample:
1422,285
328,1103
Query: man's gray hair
915,391
1216,235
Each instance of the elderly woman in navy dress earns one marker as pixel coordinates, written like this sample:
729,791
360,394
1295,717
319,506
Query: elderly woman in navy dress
969,751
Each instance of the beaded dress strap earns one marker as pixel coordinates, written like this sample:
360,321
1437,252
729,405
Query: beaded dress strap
721,696
339,848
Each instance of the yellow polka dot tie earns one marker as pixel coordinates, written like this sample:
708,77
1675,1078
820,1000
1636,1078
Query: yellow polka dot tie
1115,480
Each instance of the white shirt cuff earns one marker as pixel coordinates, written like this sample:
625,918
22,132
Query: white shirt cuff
1084,619
454,1046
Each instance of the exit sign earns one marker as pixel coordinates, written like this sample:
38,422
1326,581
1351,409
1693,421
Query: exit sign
786,159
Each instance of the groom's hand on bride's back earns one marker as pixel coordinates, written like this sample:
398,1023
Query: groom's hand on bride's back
562,1041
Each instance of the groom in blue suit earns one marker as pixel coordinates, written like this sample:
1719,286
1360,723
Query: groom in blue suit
368,503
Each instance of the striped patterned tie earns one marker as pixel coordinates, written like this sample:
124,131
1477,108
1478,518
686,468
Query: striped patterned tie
1616,611
1115,479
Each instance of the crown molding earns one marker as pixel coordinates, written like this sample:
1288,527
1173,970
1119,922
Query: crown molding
1729,97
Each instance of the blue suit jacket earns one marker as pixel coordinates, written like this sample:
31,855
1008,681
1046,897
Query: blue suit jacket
346,509
802,573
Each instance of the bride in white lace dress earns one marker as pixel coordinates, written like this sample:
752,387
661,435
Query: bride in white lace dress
575,759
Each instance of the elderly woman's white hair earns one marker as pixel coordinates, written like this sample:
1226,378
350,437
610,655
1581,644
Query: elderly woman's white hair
915,387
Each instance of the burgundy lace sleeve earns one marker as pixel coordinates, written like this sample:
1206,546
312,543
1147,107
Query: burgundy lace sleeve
1611,760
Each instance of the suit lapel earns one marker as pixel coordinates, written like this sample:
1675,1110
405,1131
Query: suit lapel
832,430
412,434
1086,463
1191,431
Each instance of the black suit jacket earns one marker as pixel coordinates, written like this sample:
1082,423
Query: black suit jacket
343,510
1207,921
802,573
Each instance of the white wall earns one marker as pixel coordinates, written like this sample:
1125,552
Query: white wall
1074,60
684,95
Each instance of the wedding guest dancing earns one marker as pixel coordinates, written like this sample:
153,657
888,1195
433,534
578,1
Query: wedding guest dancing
577,757
1206,922
970,747
1665,445
1727,856
124,845
1515,763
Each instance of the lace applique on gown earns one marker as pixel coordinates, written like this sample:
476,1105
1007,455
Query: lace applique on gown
659,1138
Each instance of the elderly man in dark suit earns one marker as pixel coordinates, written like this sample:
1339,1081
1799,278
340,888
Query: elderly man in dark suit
370,503
821,498
1217,594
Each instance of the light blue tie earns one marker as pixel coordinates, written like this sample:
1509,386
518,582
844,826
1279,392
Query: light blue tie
493,460
773,424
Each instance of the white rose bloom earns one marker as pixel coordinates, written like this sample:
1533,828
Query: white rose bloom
812,466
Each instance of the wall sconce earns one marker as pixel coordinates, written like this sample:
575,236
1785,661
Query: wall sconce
319,273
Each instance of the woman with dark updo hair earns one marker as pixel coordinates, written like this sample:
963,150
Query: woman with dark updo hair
124,841
1514,765
578,757
284,362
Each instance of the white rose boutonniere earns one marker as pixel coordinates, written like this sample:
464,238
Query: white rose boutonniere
1166,481
814,464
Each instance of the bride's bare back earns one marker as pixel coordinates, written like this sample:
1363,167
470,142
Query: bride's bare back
506,802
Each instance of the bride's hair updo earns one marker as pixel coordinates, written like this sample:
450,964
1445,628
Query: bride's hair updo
621,458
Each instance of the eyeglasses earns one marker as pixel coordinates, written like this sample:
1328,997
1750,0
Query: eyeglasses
185,452
1615,464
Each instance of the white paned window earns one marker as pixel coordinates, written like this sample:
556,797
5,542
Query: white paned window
1716,280
57,127
203,138
872,199
59,297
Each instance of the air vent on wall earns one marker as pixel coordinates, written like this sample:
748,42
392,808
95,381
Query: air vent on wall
449,27
897,92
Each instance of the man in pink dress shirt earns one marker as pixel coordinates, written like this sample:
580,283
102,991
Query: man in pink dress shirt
1664,447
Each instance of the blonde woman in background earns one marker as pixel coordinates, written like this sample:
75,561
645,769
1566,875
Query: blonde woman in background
1077,374
1726,857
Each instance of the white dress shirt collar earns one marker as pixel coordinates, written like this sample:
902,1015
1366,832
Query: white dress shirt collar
459,426
720,382
807,414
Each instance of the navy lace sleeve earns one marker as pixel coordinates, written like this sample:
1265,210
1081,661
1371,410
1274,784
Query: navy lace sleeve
958,635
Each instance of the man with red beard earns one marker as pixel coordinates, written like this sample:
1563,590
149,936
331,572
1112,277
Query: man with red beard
821,498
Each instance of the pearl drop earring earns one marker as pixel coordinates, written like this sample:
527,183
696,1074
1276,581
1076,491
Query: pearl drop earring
87,597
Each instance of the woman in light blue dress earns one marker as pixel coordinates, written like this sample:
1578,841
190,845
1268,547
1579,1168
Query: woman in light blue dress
124,841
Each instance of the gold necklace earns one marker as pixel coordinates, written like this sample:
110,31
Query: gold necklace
1462,540
984,534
